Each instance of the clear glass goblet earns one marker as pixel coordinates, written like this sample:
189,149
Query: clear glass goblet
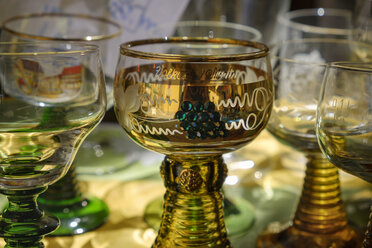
45,114
260,15
210,29
362,26
193,108
315,23
320,218
77,211
344,121
308,24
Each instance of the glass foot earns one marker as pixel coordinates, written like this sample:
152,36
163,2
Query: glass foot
234,212
77,218
23,223
287,236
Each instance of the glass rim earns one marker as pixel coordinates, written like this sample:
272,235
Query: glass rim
85,48
287,17
126,49
312,40
352,66
218,24
4,26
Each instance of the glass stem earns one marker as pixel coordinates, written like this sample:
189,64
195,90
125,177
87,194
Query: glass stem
22,223
192,212
320,209
367,242
65,191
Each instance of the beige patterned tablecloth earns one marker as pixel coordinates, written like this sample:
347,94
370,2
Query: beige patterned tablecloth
265,173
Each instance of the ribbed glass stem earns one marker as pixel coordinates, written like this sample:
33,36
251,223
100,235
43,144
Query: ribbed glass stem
320,209
193,214
65,191
367,243
23,224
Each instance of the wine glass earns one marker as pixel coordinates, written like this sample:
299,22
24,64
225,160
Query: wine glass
51,96
320,218
305,24
193,108
315,23
344,121
210,29
237,208
77,211
362,29
260,15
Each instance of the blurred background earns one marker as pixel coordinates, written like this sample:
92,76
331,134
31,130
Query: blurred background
259,14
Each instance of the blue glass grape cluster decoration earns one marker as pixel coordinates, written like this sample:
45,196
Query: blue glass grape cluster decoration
200,120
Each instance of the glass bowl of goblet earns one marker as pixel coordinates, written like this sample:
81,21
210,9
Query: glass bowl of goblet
315,23
304,24
66,199
320,219
260,15
193,108
210,29
45,114
236,208
344,121
362,26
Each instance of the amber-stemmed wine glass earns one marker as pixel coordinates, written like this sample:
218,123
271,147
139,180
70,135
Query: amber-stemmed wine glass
45,114
344,121
320,218
237,208
311,23
193,108
77,211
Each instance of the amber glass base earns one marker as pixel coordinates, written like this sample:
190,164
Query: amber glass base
291,237
320,218
192,210
367,242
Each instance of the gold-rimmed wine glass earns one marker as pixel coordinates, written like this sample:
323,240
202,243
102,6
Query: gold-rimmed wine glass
236,208
77,211
45,114
193,108
320,218
344,121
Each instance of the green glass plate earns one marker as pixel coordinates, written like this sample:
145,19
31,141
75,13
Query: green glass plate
109,153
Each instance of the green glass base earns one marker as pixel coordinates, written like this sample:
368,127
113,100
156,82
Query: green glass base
26,234
234,213
23,223
83,216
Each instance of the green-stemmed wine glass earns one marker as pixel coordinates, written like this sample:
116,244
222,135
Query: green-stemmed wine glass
51,96
78,211
193,99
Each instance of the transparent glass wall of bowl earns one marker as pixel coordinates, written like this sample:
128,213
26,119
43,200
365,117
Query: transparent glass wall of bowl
52,96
